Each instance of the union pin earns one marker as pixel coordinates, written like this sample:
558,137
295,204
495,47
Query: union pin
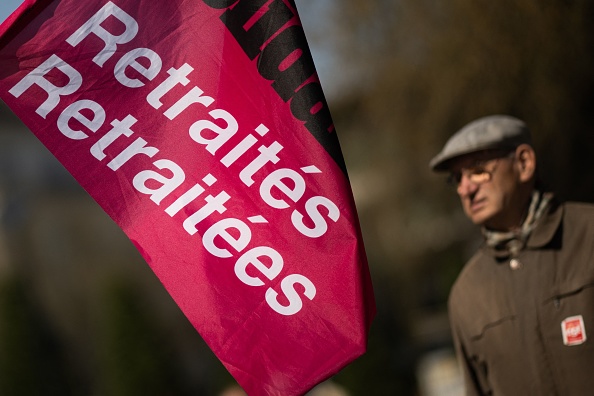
574,331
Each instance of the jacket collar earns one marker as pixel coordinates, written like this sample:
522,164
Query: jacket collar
549,224
542,234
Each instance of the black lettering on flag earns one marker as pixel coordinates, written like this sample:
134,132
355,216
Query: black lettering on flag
253,38
289,42
285,60
220,3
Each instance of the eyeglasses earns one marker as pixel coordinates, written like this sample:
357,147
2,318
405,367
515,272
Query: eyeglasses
478,173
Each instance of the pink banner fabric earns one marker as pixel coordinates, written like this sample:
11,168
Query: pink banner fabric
201,128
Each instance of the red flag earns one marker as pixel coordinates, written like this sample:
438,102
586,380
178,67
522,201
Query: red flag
201,128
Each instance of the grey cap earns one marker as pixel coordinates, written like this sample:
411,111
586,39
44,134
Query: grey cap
492,132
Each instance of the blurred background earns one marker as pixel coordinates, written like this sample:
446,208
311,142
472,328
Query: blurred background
82,314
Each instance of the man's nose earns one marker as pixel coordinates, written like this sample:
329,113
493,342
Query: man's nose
466,187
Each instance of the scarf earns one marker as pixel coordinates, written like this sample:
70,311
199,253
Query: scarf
510,243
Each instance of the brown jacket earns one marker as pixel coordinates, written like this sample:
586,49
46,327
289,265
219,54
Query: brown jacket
508,324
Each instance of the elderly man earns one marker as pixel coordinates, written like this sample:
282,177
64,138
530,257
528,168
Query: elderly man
522,307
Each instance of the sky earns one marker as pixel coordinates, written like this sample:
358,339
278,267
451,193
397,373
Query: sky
7,7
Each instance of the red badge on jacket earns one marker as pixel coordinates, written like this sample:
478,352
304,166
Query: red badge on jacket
574,331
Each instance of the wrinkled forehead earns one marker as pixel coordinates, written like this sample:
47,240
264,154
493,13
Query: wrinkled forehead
477,158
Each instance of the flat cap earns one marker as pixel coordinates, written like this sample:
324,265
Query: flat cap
492,132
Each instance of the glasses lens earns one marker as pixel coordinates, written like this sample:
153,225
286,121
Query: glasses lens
477,173
479,176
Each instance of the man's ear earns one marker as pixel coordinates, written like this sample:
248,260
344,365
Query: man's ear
526,162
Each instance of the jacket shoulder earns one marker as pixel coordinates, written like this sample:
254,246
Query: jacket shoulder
579,208
578,216
473,275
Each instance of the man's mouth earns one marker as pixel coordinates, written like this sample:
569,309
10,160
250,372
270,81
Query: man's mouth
476,204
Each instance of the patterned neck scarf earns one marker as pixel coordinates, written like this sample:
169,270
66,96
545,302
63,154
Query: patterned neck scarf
510,243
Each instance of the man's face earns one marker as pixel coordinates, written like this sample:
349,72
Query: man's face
487,183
